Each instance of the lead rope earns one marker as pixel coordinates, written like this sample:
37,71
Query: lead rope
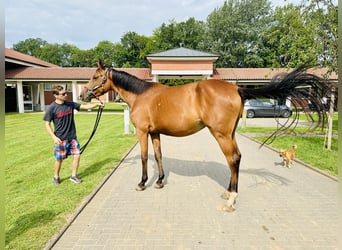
98,117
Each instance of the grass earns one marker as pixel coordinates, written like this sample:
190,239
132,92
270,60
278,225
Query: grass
310,150
311,144
35,209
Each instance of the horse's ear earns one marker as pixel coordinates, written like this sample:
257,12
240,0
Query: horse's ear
100,64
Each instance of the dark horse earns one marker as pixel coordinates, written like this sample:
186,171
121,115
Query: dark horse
184,110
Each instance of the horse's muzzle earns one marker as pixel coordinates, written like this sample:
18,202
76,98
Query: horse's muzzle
86,95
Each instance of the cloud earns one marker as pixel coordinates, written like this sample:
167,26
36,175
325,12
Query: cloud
84,23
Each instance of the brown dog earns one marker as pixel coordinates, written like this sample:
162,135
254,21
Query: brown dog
288,156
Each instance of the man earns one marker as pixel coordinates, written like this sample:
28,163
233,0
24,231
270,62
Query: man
61,113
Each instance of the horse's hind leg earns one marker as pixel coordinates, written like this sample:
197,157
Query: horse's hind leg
233,156
158,156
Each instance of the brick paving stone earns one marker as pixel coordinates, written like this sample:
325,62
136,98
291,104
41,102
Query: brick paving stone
276,208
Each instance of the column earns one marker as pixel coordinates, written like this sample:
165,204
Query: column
20,96
74,91
42,96
155,78
126,120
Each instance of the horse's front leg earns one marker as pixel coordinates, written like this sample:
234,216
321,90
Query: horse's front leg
142,137
158,156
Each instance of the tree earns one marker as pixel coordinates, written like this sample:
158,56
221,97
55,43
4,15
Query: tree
322,17
30,46
245,33
302,34
83,58
131,51
189,34
58,54
233,31
105,51
289,42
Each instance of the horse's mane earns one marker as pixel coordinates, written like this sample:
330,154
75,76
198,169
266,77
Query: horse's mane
129,82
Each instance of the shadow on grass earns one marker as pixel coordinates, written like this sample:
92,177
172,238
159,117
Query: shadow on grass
27,222
92,169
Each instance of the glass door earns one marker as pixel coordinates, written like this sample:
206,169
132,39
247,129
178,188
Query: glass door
28,97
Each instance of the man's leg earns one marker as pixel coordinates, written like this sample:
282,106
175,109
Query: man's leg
58,164
75,164
75,150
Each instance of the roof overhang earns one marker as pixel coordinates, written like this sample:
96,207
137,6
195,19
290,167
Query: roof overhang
172,58
22,63
181,72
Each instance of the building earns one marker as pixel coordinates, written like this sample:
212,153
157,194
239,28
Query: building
29,80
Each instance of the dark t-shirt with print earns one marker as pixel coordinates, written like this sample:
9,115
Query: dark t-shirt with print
62,116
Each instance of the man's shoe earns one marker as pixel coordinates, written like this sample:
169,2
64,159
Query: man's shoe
56,181
75,179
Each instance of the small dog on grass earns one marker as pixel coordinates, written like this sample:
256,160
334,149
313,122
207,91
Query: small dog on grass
288,156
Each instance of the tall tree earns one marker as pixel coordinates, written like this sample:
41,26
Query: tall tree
303,34
289,41
105,51
83,58
189,34
58,54
322,17
245,33
131,51
233,32
30,46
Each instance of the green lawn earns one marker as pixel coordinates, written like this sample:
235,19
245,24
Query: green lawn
311,144
35,209
310,150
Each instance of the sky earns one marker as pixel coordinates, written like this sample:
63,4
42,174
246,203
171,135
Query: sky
84,23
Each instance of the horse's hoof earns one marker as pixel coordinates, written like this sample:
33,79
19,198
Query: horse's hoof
158,185
228,208
140,188
225,195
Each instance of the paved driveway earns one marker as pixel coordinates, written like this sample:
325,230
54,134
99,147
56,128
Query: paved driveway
277,208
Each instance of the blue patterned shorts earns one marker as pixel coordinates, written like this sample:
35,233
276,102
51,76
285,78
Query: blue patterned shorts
66,148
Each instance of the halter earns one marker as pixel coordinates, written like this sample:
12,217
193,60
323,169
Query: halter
90,92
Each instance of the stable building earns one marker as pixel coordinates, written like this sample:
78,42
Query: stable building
181,63
28,80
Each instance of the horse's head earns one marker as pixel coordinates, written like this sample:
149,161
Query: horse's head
97,85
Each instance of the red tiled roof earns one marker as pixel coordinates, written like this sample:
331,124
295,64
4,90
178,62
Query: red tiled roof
259,73
142,73
15,55
245,73
71,73
74,73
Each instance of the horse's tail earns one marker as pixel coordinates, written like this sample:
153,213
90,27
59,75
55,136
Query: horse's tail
300,88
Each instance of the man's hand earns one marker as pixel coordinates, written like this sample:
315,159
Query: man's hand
91,105
56,140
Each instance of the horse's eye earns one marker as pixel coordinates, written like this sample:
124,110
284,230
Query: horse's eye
95,77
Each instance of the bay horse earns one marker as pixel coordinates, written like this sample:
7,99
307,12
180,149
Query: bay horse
186,109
